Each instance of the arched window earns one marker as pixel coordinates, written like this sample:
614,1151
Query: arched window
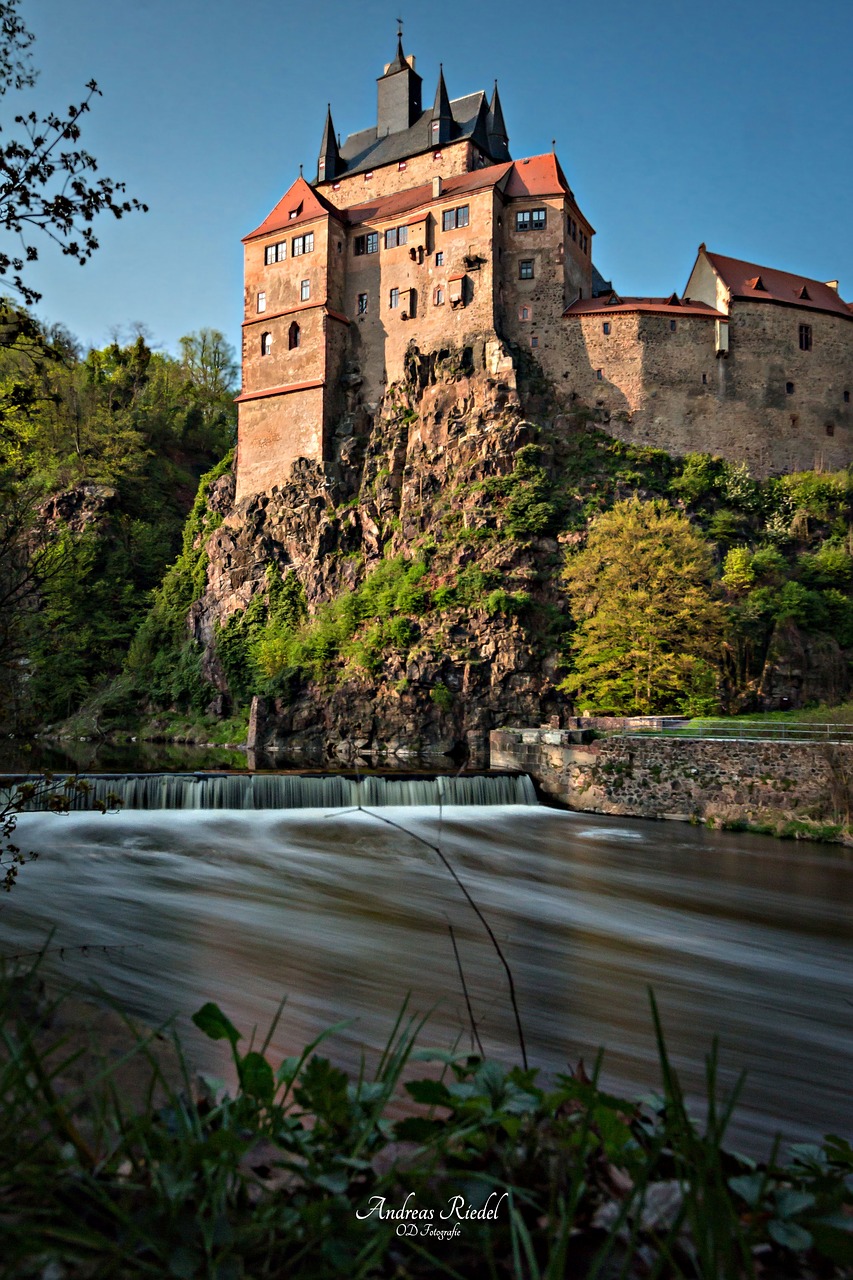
266,344
293,336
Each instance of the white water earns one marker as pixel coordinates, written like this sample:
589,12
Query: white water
740,936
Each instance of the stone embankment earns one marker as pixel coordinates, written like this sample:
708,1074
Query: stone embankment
766,784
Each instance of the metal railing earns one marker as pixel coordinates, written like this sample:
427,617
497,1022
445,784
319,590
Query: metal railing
752,730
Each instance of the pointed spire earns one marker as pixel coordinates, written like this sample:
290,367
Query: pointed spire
329,164
498,136
441,127
398,92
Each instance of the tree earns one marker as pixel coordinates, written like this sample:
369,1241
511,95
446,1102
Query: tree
46,178
211,366
648,626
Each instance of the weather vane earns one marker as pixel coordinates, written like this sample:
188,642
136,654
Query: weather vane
400,32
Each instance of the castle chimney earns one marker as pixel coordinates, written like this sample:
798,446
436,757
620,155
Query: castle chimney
832,284
436,187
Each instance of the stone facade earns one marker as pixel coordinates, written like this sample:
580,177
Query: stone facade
424,232
689,778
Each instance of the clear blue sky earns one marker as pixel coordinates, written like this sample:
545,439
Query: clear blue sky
676,121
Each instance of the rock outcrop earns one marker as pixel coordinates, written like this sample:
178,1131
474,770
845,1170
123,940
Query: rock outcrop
414,477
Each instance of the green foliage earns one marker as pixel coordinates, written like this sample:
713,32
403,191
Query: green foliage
163,660
641,597
738,573
285,1168
441,696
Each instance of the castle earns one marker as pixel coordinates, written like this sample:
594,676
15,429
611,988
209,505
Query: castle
423,230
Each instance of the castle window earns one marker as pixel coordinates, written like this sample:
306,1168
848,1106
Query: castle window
394,299
362,304
525,269
439,259
436,125
573,228
262,301
294,213
524,313
336,186
438,298
789,388
402,235
368,175
673,324
534,341
522,220
373,242
305,290
321,169
275,252
266,344
452,218
359,246
539,217
401,166
436,155
830,428
293,336
846,397
704,379
303,244
599,375
805,337
606,326
391,238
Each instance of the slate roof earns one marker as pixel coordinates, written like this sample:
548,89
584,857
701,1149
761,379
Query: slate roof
363,151
766,284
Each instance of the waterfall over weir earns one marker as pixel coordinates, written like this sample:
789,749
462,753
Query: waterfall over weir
295,791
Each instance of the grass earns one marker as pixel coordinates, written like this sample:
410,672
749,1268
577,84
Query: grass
294,1172
821,714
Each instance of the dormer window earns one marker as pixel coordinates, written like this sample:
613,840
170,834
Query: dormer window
294,213
436,155
401,166
368,175
436,125
336,186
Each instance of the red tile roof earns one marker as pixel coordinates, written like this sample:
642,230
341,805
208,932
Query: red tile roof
657,306
766,284
538,176
301,200
404,201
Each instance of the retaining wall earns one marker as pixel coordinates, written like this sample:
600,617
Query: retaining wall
699,778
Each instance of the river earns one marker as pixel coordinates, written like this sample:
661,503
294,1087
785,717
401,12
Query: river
740,936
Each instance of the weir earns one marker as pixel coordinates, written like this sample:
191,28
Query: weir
285,791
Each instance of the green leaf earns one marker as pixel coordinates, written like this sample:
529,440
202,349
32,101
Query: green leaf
748,1187
256,1077
212,1021
418,1129
789,1202
789,1235
432,1093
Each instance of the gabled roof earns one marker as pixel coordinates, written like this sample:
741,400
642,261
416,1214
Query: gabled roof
301,201
362,151
671,306
766,284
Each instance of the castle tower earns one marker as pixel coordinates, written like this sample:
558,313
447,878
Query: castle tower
329,164
398,94
441,124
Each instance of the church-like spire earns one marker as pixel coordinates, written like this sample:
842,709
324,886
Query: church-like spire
399,94
441,127
329,164
498,136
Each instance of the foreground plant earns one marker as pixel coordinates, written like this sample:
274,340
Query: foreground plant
308,1172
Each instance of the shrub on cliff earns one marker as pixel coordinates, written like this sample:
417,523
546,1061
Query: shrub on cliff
648,625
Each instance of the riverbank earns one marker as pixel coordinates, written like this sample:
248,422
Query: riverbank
801,790
304,1170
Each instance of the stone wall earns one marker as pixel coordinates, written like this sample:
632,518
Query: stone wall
654,777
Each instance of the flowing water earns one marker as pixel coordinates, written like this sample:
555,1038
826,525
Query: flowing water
740,936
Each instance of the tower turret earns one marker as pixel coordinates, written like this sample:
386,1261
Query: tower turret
329,164
498,137
441,126
398,96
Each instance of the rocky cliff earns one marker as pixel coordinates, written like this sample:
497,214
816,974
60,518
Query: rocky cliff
439,472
